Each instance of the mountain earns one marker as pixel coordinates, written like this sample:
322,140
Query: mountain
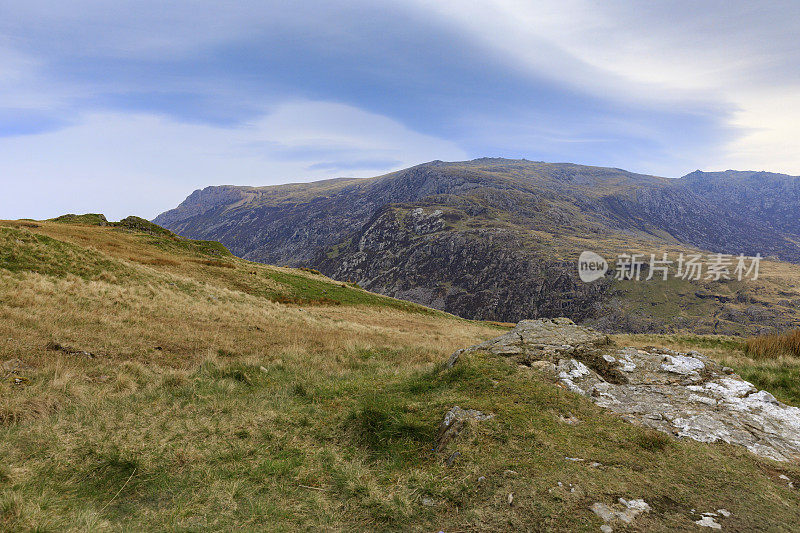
499,239
155,383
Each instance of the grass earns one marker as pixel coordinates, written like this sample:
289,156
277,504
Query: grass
210,404
89,219
774,346
317,289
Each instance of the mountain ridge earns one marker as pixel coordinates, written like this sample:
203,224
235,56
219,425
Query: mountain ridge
495,238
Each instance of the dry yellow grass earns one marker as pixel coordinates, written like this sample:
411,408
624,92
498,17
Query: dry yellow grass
180,317
774,346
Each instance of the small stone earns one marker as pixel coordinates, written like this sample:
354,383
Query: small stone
509,472
708,521
453,359
452,458
569,420
481,479
510,498
605,528
428,502
572,369
634,509
784,477
724,512
543,366
454,421
602,510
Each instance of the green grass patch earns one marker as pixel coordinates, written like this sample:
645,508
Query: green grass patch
385,424
305,290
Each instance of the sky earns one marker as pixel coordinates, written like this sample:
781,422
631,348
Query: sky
126,107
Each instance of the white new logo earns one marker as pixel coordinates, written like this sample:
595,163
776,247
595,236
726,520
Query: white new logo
591,267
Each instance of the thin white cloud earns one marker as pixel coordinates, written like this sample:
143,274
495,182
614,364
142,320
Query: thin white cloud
123,163
741,55
769,141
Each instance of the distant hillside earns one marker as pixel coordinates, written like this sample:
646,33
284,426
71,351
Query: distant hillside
499,239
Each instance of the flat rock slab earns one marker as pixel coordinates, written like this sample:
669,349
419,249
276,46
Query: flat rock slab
540,334
683,394
533,337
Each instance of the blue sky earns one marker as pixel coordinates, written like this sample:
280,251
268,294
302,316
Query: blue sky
126,107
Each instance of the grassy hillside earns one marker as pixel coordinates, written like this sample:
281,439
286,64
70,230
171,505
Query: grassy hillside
152,382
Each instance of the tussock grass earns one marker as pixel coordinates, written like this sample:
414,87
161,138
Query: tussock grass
208,404
774,346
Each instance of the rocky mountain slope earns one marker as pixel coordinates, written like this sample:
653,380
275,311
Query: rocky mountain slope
499,239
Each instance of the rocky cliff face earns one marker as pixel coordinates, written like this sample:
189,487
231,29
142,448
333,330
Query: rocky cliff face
498,239
200,202
484,273
771,199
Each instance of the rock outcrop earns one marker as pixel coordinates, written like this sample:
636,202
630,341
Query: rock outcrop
683,394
